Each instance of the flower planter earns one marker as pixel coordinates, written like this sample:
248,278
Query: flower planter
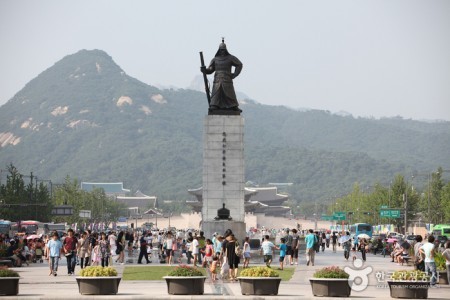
185,285
98,285
409,289
259,285
331,287
9,286
443,277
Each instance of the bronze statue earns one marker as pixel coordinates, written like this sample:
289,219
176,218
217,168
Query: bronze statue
223,100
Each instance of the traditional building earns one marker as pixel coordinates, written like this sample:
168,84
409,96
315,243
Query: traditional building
136,204
264,200
110,188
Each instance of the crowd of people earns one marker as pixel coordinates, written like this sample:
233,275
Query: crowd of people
220,251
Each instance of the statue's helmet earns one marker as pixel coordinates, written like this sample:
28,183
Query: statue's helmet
222,46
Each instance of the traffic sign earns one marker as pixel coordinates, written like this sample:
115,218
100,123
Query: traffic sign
339,216
326,218
390,213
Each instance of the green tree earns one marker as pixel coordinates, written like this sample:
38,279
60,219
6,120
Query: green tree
24,202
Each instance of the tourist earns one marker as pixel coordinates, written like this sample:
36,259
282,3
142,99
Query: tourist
169,242
54,246
283,249
143,249
311,241
70,250
288,239
213,268
334,241
428,249
246,251
327,238
105,250
209,252
189,250
323,240
112,242
446,255
346,244
201,246
83,249
195,250
267,248
95,254
362,248
218,245
232,258
295,246
419,258
120,243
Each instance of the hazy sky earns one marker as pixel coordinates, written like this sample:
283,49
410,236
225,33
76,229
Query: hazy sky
369,58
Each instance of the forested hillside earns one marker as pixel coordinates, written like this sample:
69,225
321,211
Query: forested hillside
86,118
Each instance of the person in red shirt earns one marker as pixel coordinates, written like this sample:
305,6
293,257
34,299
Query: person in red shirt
70,251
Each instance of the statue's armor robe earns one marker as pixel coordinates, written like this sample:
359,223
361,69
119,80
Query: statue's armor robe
223,94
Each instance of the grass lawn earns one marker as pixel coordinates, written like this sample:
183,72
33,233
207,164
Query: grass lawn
157,272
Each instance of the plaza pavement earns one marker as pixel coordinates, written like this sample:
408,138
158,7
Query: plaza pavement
36,284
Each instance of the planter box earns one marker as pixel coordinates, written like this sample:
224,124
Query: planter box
409,289
259,285
189,285
331,287
9,286
98,285
443,277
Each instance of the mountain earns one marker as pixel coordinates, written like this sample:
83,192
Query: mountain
86,118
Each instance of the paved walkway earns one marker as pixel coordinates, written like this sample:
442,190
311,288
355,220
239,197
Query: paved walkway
36,284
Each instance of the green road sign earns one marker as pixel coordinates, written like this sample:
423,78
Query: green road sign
339,216
327,218
390,213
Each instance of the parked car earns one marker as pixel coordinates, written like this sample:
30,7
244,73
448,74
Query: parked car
411,238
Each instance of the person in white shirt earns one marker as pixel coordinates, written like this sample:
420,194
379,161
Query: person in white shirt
428,250
112,242
195,250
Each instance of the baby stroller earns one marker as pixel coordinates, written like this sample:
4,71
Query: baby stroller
39,254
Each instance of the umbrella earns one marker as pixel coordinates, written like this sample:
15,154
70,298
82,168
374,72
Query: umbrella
391,240
344,238
33,236
363,236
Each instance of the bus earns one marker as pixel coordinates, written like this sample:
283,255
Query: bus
6,227
441,229
359,228
52,227
29,227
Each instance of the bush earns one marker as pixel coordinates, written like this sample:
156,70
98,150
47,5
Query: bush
439,259
408,275
98,271
331,272
259,272
184,270
8,273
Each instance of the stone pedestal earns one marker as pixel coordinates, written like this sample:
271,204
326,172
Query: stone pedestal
223,174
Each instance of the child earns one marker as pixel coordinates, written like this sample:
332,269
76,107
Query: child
96,254
246,252
209,250
213,267
267,250
283,249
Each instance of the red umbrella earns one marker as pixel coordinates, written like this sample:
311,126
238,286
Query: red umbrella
391,240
